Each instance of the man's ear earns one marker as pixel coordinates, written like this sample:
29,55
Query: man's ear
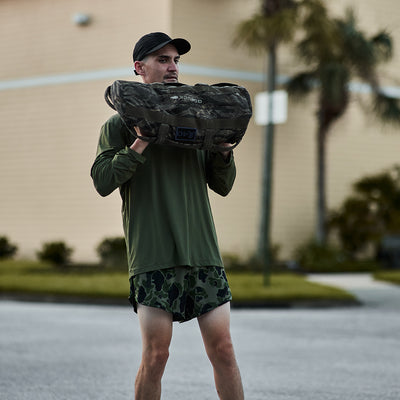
139,67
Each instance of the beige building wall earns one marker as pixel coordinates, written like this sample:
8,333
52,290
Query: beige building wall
50,123
50,126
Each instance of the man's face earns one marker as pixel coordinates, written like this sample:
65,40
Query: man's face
160,66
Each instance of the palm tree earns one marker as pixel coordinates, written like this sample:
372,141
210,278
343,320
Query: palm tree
275,23
336,51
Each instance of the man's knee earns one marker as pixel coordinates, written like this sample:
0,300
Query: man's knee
155,359
156,354
222,352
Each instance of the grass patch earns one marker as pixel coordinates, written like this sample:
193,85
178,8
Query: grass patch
388,276
249,287
94,281
30,277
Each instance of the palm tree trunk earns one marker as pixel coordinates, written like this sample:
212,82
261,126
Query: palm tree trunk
321,182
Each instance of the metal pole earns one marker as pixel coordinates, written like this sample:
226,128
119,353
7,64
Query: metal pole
265,227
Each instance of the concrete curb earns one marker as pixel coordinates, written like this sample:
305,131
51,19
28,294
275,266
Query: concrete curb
277,304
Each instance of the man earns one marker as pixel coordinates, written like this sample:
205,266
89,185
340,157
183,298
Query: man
175,268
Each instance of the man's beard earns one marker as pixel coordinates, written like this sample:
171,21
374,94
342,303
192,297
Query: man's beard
168,78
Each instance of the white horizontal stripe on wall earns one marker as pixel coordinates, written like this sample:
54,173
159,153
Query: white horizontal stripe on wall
115,73
60,79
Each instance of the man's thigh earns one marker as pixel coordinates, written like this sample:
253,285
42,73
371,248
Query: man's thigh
215,325
155,326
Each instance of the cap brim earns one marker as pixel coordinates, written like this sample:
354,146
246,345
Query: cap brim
181,45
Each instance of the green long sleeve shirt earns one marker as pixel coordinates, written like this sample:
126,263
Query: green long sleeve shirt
166,212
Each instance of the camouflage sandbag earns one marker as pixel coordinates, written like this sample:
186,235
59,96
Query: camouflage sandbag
199,116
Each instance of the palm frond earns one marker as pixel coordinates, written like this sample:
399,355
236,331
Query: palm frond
383,47
387,108
269,8
252,33
320,41
316,49
284,24
357,49
301,84
313,7
363,53
260,31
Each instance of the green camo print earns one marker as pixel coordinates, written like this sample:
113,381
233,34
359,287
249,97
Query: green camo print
185,292
200,116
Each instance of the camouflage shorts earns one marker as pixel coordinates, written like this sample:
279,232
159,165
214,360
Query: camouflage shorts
185,292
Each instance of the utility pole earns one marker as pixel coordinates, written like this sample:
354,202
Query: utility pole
264,246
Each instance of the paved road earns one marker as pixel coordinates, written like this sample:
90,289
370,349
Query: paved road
372,293
60,351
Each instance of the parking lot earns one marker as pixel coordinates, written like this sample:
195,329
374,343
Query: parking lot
64,351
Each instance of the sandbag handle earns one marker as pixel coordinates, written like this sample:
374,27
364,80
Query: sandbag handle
107,97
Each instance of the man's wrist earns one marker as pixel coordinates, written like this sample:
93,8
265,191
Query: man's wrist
226,155
139,146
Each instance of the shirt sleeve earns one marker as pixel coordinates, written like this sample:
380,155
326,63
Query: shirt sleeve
115,162
221,172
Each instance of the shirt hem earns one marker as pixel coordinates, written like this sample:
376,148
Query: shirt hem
140,270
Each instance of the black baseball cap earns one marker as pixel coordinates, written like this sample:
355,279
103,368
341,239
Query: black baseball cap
154,41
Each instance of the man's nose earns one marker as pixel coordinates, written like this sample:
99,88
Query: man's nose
172,66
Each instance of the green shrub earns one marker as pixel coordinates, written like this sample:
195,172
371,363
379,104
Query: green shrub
369,214
57,253
7,249
313,257
112,252
367,265
234,263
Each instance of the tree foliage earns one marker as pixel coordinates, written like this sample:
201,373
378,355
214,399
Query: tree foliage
57,253
276,22
112,252
335,50
7,249
370,213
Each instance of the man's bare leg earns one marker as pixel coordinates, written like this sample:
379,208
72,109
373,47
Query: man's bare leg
215,329
156,330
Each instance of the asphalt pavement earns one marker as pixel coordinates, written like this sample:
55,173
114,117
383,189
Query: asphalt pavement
370,292
71,351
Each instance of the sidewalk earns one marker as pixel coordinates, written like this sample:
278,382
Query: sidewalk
368,291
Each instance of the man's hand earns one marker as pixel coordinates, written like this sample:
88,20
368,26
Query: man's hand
139,145
225,154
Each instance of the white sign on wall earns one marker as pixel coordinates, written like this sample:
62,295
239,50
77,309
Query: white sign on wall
279,112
